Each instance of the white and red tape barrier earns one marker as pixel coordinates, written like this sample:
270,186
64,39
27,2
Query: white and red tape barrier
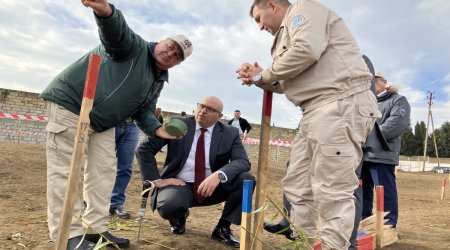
24,117
280,143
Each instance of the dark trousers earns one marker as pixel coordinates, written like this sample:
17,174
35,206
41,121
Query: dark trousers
172,202
374,174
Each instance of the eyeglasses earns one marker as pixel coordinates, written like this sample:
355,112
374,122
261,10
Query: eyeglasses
208,108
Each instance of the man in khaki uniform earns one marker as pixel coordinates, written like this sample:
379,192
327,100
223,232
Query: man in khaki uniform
319,67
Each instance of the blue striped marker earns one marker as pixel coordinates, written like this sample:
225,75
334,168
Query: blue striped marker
246,219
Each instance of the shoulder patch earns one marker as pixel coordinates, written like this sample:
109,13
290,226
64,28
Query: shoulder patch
297,21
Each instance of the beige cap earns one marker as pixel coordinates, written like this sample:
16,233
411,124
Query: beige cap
184,43
379,74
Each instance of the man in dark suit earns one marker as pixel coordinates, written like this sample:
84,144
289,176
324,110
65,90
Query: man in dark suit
208,143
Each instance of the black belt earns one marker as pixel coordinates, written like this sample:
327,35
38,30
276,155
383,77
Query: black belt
128,121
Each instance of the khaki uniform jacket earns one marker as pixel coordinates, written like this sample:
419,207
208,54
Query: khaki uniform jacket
316,60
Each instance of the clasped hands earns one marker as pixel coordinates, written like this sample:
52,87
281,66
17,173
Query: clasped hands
247,71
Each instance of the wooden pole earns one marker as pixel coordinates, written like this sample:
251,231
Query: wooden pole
379,216
78,151
430,97
262,168
246,220
434,139
443,188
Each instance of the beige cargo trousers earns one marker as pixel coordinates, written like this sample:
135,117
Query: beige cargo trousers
99,172
320,179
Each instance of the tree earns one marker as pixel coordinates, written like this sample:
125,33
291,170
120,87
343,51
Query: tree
419,137
407,143
443,140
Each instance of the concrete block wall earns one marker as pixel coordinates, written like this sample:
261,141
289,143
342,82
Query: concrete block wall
21,103
25,131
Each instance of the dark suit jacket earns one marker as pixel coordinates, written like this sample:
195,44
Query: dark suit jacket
226,153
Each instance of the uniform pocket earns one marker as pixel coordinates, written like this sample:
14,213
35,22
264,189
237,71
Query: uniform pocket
54,128
369,111
335,163
365,122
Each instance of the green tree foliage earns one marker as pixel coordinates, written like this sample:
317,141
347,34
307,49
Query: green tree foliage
412,144
443,140
419,137
408,143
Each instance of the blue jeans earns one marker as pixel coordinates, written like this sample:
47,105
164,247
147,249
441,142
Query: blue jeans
127,137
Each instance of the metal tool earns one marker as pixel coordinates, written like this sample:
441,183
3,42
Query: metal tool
146,188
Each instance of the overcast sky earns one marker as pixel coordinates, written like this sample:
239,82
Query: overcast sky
407,40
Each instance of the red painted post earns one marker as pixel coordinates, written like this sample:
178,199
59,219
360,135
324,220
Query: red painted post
262,168
380,216
78,151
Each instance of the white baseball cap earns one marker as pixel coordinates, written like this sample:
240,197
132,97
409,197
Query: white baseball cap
184,43
379,74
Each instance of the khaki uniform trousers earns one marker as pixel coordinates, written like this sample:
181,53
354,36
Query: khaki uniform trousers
99,172
320,179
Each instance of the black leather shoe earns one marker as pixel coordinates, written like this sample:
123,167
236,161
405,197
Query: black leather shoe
224,235
281,227
73,242
178,226
121,242
119,212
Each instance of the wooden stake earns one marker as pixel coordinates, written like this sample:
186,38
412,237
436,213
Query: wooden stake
380,216
262,168
78,151
246,219
443,188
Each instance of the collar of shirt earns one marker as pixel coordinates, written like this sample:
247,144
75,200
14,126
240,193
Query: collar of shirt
198,127
380,94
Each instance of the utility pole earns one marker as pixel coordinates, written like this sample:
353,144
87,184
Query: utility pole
430,116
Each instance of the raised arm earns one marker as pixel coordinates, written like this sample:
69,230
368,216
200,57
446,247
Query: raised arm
119,40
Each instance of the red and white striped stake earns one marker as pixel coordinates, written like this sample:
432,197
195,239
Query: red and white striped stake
78,151
263,162
380,216
443,188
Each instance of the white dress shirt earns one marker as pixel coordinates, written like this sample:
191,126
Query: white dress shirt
187,173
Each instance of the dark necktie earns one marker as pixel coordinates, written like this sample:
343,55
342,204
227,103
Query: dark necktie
200,166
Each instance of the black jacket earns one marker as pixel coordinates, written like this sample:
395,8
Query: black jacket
245,126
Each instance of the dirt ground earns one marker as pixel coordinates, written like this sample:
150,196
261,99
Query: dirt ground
424,221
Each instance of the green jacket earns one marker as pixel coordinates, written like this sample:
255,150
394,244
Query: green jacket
128,84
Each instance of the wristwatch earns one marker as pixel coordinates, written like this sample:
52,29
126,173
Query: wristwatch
256,78
222,177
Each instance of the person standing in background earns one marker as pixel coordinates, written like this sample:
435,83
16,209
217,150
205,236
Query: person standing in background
379,167
127,138
159,115
240,123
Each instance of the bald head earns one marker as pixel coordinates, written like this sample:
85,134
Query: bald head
209,111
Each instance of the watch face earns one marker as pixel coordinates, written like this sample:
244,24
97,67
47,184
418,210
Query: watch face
257,78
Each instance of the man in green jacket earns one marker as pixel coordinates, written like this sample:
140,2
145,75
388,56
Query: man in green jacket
132,75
